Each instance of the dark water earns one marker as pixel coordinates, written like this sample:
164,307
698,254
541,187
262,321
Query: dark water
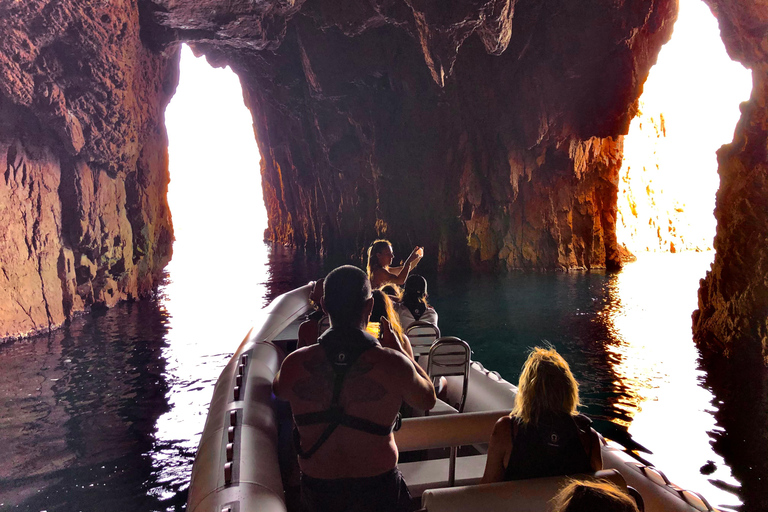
106,413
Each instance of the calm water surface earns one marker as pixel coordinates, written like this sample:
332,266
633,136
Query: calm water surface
106,413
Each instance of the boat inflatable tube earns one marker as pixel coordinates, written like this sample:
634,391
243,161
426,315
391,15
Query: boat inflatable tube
241,428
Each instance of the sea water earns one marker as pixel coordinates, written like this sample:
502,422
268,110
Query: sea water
106,413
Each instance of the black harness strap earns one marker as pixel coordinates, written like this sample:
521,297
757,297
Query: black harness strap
342,350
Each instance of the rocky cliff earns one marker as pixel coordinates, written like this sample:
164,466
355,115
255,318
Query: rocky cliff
732,318
489,131
83,157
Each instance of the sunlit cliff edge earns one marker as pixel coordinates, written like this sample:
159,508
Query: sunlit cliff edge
488,131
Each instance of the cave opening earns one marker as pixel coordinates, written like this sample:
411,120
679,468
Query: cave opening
214,283
689,108
214,194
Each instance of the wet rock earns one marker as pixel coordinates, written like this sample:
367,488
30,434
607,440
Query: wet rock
732,318
83,158
488,131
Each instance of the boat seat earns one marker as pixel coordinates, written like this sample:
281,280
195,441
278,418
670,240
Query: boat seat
422,335
531,495
442,408
450,356
433,474
444,431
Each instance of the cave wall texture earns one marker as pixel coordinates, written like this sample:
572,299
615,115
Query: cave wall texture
489,131
732,318
84,160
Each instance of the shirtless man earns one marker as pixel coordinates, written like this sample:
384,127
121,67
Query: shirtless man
347,453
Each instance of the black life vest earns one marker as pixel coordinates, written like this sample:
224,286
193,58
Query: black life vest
342,348
557,445
415,306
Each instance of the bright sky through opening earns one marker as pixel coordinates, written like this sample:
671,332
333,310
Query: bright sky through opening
697,88
219,265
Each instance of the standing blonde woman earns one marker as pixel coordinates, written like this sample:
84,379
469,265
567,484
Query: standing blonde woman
381,256
544,435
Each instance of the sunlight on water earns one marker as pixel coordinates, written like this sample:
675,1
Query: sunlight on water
219,220
654,356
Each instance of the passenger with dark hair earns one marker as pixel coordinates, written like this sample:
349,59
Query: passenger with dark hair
382,307
413,304
381,256
586,496
345,393
544,435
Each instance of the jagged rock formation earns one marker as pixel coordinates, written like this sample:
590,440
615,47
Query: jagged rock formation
732,318
84,160
489,131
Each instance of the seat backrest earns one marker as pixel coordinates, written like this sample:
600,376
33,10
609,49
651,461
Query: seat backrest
421,336
450,356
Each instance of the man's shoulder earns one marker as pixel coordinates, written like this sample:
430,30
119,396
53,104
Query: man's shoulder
299,356
388,357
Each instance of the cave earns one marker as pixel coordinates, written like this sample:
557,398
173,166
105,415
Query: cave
491,130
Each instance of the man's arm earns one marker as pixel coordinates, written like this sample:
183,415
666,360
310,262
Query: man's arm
280,383
419,393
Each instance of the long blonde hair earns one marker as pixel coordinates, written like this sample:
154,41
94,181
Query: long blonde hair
382,306
584,495
373,252
546,384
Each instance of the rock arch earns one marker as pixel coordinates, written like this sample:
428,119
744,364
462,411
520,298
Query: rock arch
491,131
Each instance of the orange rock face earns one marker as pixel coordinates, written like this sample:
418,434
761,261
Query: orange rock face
83,147
732,318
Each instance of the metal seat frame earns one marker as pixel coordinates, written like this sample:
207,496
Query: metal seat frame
422,336
451,356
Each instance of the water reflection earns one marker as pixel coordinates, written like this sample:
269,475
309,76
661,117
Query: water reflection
78,412
741,396
652,354
106,413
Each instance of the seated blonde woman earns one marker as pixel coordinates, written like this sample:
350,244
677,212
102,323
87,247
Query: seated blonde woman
381,256
585,496
544,435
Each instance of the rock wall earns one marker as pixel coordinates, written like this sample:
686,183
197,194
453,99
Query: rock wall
83,160
732,318
488,131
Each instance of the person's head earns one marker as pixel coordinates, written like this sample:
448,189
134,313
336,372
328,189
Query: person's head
415,288
546,385
347,297
380,255
586,496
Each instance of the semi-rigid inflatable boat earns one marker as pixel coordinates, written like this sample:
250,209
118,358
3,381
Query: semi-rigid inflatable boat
245,461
